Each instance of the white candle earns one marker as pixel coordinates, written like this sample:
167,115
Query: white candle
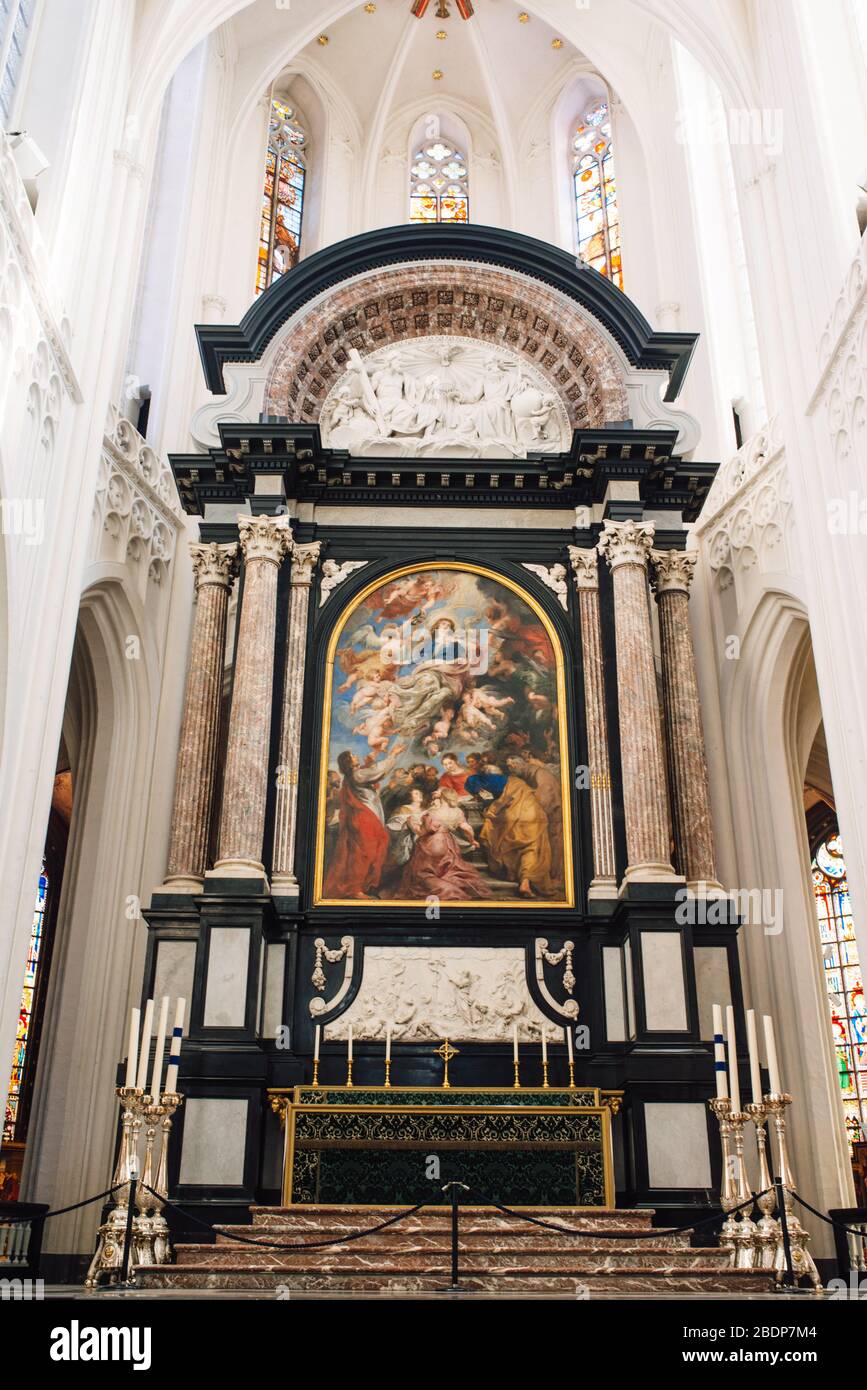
515,1042
771,1049
316,1043
144,1053
755,1066
719,1055
388,1042
175,1050
569,1044
156,1074
132,1049
734,1079
349,1045
544,1050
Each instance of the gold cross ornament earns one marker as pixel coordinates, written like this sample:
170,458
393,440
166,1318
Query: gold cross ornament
447,1052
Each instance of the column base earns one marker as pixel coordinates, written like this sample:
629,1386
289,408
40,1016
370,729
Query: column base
238,868
706,888
181,883
649,873
602,888
285,886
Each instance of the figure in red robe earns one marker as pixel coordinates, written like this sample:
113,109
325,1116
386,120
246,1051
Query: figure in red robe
362,839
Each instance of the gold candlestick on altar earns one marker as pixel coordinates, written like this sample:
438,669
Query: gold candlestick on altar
517,1076
349,1071
545,1086
571,1076
388,1072
315,1071
803,1263
447,1052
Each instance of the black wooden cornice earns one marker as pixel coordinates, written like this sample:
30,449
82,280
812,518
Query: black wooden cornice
315,473
246,341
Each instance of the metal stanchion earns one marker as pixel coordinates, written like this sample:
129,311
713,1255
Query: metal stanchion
453,1189
127,1239
789,1279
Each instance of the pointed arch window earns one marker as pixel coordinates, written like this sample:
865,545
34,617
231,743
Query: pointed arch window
844,982
26,1011
16,26
439,189
595,189
282,196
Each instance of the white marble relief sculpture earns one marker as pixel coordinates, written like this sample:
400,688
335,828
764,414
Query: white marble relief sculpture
443,397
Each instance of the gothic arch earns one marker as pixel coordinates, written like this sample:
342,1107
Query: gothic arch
771,712
108,729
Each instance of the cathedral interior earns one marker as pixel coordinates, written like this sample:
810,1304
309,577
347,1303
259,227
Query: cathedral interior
431,452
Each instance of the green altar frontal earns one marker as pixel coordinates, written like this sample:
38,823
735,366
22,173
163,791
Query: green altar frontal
372,1146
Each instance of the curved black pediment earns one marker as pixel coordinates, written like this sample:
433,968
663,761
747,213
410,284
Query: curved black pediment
246,341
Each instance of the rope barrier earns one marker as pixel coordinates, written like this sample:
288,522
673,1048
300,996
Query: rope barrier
829,1221
305,1245
61,1211
624,1235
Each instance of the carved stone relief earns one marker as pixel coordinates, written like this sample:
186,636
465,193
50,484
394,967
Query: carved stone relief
474,994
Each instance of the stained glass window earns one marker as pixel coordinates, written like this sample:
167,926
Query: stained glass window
25,1013
439,189
598,219
16,24
282,197
844,982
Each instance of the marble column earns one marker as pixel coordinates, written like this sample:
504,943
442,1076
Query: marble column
671,575
304,561
626,546
214,568
585,569
264,542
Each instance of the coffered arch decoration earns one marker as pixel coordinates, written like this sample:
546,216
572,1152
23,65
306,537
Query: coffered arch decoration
492,306
444,759
494,285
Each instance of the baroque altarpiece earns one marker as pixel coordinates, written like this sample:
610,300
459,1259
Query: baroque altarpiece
441,770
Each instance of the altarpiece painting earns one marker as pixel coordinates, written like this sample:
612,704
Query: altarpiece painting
444,763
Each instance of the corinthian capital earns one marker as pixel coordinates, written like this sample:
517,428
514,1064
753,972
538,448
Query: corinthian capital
585,569
304,561
264,538
626,542
214,564
671,571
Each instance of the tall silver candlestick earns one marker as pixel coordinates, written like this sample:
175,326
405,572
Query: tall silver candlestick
803,1263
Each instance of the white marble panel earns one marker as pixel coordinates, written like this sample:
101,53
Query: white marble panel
226,987
174,972
630,990
664,986
272,1010
677,1144
712,984
215,1135
615,1004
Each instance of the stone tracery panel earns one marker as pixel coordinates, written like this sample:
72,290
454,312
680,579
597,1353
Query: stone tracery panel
459,299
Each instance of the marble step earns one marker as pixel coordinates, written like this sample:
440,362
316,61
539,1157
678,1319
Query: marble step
705,1279
345,1259
472,1219
395,1238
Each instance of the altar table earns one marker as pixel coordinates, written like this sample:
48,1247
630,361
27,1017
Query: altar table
373,1145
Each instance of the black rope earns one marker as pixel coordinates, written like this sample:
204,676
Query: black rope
624,1235
61,1211
305,1245
829,1220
